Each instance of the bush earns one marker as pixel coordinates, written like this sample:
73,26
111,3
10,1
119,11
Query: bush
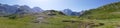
12,17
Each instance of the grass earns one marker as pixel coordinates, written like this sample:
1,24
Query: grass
54,22
14,23
26,22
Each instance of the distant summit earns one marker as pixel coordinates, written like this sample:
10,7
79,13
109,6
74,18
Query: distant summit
69,12
37,10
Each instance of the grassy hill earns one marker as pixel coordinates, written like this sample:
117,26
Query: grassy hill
108,11
109,14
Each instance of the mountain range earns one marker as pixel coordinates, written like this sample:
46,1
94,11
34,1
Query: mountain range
6,9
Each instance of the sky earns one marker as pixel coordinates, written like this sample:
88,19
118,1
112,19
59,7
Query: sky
75,5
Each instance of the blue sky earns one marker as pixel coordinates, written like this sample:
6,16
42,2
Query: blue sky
75,5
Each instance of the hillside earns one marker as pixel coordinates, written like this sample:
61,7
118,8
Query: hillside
56,19
109,11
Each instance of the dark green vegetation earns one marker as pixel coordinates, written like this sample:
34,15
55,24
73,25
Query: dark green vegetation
106,16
